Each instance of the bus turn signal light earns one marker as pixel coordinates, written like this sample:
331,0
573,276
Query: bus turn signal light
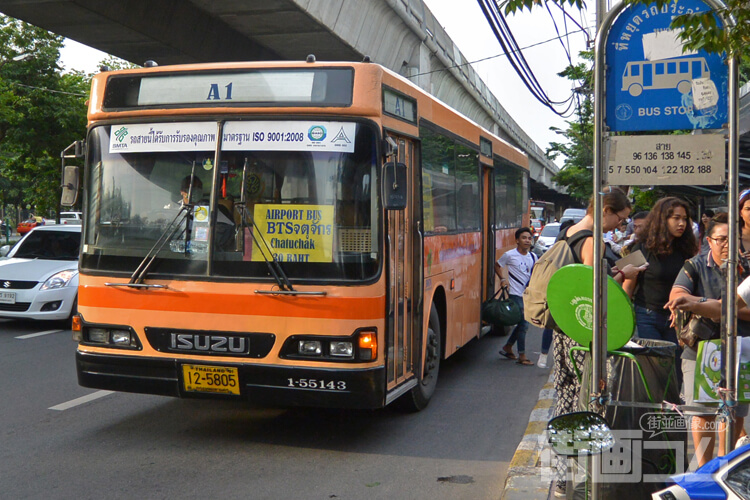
368,346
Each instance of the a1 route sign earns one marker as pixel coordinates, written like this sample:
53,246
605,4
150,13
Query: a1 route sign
651,83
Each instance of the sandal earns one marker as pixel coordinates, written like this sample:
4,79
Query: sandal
507,354
525,362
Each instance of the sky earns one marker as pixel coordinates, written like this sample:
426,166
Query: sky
466,25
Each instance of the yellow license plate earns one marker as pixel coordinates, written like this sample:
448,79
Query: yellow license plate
215,379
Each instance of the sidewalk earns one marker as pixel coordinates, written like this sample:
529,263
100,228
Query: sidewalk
524,480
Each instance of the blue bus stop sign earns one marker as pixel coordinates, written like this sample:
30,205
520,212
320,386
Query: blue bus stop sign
651,84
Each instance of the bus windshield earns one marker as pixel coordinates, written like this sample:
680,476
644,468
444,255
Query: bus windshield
284,195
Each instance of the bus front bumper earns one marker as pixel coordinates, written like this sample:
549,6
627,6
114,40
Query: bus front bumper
270,385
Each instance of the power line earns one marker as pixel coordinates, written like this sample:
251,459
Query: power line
46,89
501,54
508,42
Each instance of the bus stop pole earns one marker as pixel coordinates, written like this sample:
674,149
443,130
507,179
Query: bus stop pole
599,326
729,337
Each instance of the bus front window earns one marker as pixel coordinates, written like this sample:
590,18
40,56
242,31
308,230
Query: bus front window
314,211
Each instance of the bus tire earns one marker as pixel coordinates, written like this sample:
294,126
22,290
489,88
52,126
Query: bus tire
635,89
419,396
684,87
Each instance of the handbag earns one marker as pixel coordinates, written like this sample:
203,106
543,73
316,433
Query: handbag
501,311
696,329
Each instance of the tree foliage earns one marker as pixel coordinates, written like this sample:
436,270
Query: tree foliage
700,31
577,171
42,111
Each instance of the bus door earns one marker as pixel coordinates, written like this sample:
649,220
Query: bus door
488,231
404,245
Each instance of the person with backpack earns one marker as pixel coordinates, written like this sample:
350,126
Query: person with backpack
514,270
579,239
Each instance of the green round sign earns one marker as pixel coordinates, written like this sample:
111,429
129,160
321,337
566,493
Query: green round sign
570,299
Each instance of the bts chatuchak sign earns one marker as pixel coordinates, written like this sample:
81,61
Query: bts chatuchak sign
652,84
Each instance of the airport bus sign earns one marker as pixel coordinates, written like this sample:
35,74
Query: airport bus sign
652,83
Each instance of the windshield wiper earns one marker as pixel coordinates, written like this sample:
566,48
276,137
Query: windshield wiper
140,272
185,210
274,267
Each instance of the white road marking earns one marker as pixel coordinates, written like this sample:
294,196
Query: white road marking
79,401
39,334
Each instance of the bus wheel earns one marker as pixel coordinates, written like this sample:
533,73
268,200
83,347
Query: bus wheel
635,89
684,87
418,398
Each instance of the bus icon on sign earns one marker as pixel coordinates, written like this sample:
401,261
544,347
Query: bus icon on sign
663,74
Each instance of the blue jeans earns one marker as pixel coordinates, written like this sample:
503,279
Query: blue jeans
546,340
519,332
654,325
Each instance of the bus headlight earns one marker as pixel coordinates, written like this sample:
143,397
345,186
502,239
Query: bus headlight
110,337
342,349
310,347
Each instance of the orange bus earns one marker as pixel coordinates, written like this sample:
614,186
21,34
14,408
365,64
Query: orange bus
292,233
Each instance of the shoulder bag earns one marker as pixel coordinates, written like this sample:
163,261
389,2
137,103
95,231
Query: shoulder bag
501,311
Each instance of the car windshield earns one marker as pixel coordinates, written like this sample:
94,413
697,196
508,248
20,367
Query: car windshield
550,230
536,223
313,207
49,245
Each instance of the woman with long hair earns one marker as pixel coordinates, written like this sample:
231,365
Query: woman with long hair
667,241
744,208
616,208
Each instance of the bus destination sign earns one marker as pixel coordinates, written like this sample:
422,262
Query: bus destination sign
648,160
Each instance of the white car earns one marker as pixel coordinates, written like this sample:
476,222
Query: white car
74,218
547,237
39,275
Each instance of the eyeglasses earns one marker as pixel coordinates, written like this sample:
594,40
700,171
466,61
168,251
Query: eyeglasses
721,240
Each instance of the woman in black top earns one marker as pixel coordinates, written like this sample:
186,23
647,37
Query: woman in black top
666,240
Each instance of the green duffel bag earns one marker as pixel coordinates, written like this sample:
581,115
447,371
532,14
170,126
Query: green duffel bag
501,311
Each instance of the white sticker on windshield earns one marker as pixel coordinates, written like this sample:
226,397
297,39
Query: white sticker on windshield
162,137
289,136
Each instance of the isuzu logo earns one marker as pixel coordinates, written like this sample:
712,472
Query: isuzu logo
208,343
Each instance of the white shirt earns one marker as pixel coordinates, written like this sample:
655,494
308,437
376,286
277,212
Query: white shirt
743,290
519,267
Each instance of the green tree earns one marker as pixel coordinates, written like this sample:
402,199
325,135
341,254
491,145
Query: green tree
699,30
576,173
42,111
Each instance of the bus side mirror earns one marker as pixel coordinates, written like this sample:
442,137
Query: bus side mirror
394,186
70,186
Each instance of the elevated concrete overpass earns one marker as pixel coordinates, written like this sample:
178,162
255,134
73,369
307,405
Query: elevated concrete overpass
402,35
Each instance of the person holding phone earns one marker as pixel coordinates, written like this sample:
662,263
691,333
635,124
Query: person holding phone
666,241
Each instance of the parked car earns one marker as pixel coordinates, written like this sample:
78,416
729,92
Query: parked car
29,224
39,276
574,214
725,477
546,238
71,218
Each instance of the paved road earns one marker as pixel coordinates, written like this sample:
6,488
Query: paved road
117,445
